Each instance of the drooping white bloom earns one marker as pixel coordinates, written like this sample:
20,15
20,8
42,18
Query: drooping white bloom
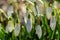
10,26
38,31
40,7
29,25
10,11
53,23
17,29
48,12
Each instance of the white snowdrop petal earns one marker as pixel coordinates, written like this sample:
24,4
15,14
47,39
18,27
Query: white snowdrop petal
17,29
29,25
9,27
10,11
53,23
38,31
48,12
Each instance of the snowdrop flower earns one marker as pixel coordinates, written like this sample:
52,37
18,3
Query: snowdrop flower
40,8
53,23
10,11
48,12
29,25
17,29
10,26
38,31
